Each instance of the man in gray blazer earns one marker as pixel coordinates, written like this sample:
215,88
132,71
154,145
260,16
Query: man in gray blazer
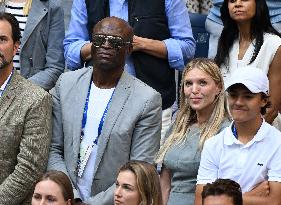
25,123
103,117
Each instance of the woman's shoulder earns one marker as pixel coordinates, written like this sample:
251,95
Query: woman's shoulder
271,37
270,45
225,123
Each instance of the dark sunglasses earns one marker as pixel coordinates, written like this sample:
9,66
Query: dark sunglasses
115,42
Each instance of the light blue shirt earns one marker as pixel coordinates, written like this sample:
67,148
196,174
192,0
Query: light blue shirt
180,47
274,7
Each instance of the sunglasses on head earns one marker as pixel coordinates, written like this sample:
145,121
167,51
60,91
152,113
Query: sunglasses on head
115,42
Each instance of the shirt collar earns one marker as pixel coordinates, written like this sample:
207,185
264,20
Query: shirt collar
230,139
3,87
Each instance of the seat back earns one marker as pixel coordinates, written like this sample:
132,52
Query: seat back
200,34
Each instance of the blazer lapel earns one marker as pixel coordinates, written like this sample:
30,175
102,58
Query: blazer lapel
37,12
121,94
77,104
9,95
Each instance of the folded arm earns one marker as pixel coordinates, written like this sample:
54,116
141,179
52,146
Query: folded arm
180,47
54,66
272,198
77,36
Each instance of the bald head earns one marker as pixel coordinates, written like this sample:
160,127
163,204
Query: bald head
119,26
112,42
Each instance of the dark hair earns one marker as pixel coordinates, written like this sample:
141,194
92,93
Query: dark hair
223,187
148,183
62,180
268,104
16,35
260,24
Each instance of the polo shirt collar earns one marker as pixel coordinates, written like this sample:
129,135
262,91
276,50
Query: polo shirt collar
230,139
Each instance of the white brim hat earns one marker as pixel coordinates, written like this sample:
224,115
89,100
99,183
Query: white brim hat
253,78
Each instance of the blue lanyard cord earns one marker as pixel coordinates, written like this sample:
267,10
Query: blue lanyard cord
84,120
234,131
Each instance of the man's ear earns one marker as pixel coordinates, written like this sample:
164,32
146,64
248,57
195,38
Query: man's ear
68,202
16,47
129,49
264,101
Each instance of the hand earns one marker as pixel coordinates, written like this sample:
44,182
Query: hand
85,52
149,46
138,43
261,190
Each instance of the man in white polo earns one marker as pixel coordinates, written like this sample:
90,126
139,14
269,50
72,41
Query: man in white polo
249,150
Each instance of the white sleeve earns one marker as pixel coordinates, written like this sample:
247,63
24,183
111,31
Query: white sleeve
274,167
208,169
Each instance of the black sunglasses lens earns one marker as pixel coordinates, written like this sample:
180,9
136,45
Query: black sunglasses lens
98,40
115,42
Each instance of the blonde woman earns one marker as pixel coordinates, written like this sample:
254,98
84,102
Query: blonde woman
40,56
202,114
137,184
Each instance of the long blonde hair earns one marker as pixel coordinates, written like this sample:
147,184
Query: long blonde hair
187,116
26,7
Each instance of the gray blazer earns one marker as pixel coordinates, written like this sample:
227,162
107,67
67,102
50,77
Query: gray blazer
41,55
25,136
131,129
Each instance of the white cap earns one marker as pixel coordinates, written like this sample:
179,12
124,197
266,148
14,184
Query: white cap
253,78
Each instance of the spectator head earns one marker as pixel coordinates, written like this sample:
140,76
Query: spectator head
222,192
55,186
16,34
217,103
111,41
261,13
138,183
245,86
203,76
259,24
9,36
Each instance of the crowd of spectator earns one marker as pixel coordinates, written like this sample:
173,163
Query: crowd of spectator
86,117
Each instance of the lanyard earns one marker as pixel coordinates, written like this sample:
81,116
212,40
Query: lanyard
82,160
234,131
84,120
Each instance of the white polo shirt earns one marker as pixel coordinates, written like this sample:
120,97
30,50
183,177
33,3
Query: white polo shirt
224,156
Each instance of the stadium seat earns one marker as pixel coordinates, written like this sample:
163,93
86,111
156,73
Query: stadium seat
200,34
